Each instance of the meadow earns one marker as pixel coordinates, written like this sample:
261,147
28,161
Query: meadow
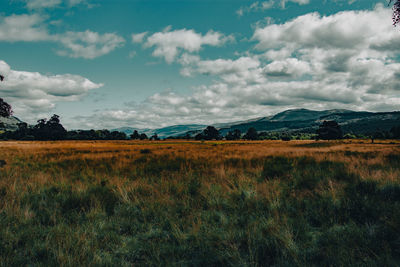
189,203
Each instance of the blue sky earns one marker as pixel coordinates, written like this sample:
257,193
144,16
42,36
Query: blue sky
153,63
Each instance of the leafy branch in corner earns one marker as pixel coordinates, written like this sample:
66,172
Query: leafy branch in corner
396,11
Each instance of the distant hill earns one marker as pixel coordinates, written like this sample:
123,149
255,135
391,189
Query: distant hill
294,120
290,121
304,120
9,123
175,130
130,130
303,114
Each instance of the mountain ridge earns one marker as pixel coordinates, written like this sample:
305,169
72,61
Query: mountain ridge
291,120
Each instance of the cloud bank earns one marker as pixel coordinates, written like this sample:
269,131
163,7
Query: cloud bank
33,94
346,60
168,44
32,28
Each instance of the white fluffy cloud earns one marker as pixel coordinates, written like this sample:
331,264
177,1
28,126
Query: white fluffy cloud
346,60
30,28
264,5
35,4
256,6
244,70
89,44
40,4
31,93
347,29
27,28
168,43
138,37
300,2
290,67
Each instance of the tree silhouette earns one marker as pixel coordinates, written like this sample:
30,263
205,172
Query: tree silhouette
5,109
154,137
395,132
143,136
135,135
209,133
329,130
49,130
396,11
233,135
251,134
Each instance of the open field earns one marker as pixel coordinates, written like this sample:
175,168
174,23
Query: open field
127,203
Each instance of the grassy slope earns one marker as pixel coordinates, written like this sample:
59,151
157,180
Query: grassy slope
193,203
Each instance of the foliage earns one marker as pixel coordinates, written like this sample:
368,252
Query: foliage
286,137
143,136
251,134
209,133
396,12
395,132
329,130
49,130
154,137
233,135
95,135
135,135
5,109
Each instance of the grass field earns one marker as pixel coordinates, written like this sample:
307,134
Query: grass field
180,203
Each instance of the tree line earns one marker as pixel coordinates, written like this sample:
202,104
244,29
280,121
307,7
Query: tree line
328,130
52,129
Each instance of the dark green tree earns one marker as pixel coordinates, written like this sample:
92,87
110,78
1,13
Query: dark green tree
5,109
23,132
55,130
135,135
211,133
143,136
199,136
251,134
395,132
286,137
233,135
115,135
154,137
49,130
329,130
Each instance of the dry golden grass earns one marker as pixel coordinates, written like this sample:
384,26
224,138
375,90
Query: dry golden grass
25,159
122,152
199,182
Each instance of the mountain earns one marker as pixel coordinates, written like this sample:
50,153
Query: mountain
130,130
304,120
175,130
293,120
303,114
178,130
9,123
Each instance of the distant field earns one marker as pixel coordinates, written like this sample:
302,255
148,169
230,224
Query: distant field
131,203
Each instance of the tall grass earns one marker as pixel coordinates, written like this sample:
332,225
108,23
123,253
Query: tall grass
200,203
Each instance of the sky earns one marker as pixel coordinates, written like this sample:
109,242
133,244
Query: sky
155,63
